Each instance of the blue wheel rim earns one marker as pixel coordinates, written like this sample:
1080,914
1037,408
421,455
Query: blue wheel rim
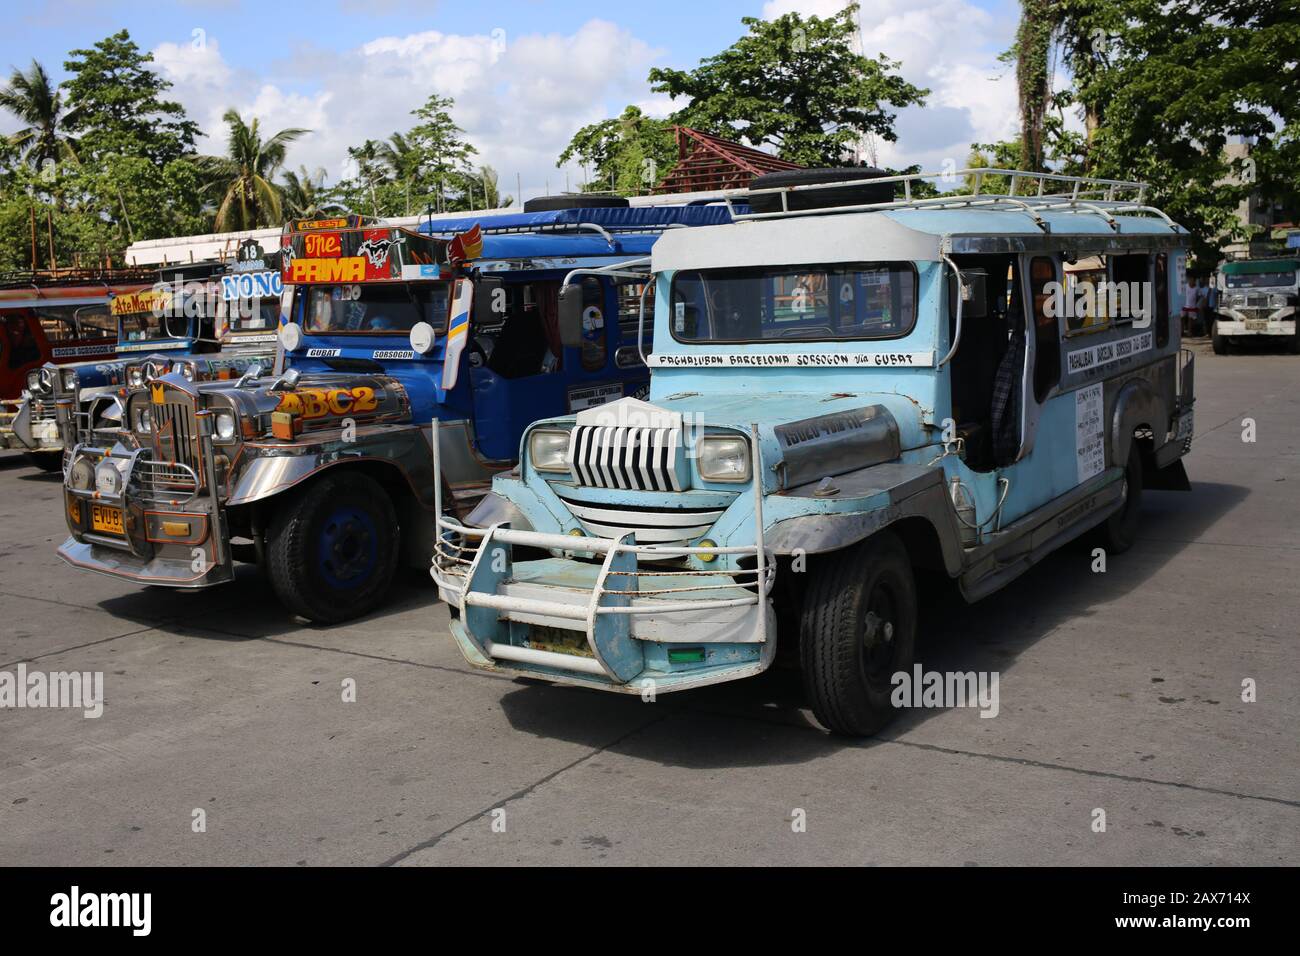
347,550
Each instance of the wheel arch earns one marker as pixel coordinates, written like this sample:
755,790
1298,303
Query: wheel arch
1138,409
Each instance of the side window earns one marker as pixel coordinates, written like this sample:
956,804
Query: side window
629,309
593,324
1047,335
1162,300
1085,284
1128,297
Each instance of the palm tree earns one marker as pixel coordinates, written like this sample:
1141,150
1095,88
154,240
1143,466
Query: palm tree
242,178
403,159
37,102
301,192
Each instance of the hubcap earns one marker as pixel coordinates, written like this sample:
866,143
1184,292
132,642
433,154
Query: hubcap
348,548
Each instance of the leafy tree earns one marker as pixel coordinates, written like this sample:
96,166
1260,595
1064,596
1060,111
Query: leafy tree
627,155
795,85
116,106
242,179
303,192
34,100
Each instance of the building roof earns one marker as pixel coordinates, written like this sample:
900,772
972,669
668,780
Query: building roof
706,162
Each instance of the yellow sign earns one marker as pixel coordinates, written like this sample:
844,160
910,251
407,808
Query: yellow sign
317,402
305,225
151,300
156,393
347,269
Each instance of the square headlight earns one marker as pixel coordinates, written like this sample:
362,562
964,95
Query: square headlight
722,458
548,449
69,379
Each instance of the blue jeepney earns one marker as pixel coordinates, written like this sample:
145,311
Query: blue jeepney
322,471
848,385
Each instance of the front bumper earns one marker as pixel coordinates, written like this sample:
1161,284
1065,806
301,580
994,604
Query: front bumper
1235,322
23,431
163,529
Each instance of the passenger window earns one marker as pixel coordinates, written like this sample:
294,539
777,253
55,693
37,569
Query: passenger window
1128,296
593,324
1047,335
1162,300
629,309
1085,298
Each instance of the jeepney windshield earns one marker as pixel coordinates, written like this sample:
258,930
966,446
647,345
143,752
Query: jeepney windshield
374,309
1260,280
253,315
800,303
147,326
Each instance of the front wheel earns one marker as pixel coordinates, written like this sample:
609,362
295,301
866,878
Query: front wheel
857,630
1119,531
331,553
1219,342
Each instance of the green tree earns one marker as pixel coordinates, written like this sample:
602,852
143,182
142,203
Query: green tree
116,107
241,181
627,155
303,192
35,101
795,85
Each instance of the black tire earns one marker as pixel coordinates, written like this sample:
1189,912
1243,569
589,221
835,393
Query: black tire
868,192
848,662
1217,341
332,549
1294,345
551,203
1119,532
46,460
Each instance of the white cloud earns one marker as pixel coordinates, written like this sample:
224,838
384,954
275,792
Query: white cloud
519,99
948,46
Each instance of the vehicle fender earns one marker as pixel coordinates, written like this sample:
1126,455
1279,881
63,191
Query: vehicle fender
872,499
22,424
267,476
1137,404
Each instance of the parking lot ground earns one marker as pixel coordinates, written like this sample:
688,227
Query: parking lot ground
1119,691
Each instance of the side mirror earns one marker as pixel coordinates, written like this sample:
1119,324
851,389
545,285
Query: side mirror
490,302
571,316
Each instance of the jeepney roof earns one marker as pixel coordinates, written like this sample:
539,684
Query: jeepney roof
564,245
611,218
1254,267
918,234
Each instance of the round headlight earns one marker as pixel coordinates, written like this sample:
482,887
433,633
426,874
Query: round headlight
34,381
290,336
69,379
144,420
82,474
108,480
548,449
135,376
225,426
1277,301
723,459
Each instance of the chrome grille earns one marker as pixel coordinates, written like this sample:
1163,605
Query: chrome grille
176,432
161,482
626,456
43,409
652,525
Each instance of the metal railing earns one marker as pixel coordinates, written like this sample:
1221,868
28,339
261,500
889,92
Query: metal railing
458,548
1081,196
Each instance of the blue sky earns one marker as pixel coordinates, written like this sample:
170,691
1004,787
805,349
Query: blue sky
525,73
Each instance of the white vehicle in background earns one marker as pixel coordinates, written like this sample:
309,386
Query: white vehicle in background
1257,297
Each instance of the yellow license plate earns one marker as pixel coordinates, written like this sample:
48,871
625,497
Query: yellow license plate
107,520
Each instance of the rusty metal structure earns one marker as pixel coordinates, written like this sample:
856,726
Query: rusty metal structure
706,163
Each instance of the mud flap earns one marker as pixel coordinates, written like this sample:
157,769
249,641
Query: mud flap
1172,477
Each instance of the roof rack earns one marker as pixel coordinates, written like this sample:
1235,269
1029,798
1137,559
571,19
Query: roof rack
1106,198
47,278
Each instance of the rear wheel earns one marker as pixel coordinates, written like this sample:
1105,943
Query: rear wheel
1119,531
858,629
331,553
46,460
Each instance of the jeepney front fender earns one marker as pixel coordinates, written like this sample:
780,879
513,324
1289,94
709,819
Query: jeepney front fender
22,424
868,500
1138,404
275,468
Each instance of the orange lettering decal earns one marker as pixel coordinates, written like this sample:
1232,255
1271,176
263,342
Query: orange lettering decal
291,403
340,400
314,403
348,269
326,244
363,399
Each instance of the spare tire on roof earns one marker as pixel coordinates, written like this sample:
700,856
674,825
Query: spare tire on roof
867,192
551,203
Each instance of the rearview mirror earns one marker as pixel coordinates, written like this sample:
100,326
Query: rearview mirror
490,302
571,316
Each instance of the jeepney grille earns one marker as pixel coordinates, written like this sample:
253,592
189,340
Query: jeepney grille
176,433
665,526
626,456
43,409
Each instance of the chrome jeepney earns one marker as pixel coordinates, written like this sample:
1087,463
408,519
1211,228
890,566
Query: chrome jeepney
843,390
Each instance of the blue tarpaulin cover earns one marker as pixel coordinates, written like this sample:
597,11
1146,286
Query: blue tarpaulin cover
612,218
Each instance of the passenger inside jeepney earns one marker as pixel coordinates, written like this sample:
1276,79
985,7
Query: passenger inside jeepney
376,309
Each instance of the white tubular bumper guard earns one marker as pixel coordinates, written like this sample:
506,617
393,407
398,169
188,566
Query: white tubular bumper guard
470,564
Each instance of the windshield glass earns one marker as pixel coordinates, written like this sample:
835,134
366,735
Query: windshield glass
146,326
867,301
253,315
1261,280
375,309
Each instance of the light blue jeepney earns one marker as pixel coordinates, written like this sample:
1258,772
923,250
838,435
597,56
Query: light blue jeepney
842,392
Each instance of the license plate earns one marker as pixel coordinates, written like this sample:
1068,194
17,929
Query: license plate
1256,325
107,520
